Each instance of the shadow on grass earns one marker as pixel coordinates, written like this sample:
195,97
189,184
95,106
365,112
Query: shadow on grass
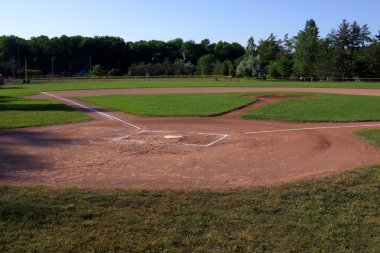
9,103
12,87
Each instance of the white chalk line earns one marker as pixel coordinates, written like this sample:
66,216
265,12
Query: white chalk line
93,110
311,128
222,137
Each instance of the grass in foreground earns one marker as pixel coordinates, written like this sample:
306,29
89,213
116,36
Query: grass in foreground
335,214
321,108
173,105
371,135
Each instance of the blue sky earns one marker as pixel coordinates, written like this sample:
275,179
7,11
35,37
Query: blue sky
228,20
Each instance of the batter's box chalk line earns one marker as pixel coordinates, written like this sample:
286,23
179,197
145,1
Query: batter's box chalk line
219,138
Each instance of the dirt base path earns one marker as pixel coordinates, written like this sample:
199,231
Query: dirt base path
135,152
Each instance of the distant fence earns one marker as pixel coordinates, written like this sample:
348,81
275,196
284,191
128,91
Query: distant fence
57,79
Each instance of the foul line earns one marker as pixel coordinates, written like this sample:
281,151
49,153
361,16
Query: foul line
93,110
312,128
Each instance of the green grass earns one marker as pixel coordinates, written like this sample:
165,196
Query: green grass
321,108
173,105
371,135
335,214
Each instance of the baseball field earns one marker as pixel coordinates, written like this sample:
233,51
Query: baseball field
190,165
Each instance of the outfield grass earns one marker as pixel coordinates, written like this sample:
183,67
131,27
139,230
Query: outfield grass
320,108
173,105
335,214
371,135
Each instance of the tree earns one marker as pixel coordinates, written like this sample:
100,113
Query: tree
97,70
206,64
249,66
324,66
369,60
346,41
225,69
226,51
268,50
113,72
193,51
359,36
377,36
251,47
283,67
306,49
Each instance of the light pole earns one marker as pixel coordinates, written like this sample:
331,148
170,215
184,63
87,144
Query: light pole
13,68
90,65
26,70
52,67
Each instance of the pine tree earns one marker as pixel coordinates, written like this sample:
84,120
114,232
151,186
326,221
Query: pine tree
306,50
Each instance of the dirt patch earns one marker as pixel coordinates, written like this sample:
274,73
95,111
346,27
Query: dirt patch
262,100
105,153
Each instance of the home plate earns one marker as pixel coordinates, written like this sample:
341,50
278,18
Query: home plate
173,136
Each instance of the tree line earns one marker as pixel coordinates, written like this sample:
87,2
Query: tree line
349,51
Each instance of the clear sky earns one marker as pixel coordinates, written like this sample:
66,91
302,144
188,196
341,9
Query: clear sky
228,20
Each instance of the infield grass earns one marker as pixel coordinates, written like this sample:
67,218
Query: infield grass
320,107
173,105
339,213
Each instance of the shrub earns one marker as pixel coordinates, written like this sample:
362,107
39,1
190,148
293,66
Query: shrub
113,72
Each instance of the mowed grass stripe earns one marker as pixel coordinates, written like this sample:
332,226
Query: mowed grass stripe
335,214
320,107
173,105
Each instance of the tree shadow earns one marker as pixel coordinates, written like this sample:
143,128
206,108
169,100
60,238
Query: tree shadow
12,87
6,99
36,107
23,151
8,103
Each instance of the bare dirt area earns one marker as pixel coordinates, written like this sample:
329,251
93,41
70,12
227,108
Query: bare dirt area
118,150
